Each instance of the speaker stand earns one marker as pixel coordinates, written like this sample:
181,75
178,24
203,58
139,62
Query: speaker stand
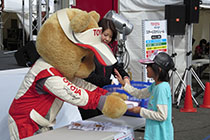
183,85
172,75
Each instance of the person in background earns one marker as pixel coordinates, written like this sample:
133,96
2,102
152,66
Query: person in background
43,18
158,114
101,75
201,52
200,49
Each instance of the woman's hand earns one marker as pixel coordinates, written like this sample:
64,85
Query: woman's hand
119,77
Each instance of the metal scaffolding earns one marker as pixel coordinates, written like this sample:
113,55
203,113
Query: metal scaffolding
38,13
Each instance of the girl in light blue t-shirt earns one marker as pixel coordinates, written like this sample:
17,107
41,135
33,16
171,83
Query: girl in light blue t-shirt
158,114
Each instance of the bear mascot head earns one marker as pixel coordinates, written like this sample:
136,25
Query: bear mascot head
67,43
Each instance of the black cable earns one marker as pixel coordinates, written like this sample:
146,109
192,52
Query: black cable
127,58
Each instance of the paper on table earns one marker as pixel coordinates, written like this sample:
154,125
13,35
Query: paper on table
97,126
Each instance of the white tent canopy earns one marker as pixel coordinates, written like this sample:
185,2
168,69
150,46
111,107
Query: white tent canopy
151,5
15,6
145,5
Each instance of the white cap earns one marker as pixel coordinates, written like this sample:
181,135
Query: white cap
90,39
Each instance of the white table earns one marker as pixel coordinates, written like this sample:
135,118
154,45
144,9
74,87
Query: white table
132,122
65,134
200,62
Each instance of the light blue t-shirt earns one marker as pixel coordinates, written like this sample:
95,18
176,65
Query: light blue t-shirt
159,130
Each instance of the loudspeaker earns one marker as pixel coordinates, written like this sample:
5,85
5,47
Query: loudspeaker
192,11
27,55
175,15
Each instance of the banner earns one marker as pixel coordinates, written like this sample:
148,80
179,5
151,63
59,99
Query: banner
154,38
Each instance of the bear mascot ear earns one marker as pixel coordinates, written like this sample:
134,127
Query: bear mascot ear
76,25
94,15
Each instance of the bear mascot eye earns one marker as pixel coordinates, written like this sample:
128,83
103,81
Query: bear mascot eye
83,58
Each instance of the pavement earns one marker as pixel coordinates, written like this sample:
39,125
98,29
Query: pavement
187,125
8,61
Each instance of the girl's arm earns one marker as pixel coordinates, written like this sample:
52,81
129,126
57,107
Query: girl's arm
139,93
159,115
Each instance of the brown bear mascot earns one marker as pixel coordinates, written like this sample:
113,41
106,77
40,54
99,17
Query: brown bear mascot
67,43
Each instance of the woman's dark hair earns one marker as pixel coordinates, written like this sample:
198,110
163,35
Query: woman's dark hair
202,41
108,24
162,74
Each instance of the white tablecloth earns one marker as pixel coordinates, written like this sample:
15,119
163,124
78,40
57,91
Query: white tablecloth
200,62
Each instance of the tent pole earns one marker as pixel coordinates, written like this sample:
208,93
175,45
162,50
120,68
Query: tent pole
189,53
30,20
23,12
1,25
172,76
189,61
1,32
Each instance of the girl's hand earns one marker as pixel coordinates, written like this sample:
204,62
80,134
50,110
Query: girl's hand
135,109
119,77
127,80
